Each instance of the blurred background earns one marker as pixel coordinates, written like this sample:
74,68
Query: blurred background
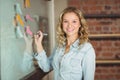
103,18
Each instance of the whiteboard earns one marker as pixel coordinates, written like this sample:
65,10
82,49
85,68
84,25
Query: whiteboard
12,47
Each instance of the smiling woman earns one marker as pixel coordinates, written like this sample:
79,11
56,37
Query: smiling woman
73,58
73,19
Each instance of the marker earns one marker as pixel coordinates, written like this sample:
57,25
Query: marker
44,34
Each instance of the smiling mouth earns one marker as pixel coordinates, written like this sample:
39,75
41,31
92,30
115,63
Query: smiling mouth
70,30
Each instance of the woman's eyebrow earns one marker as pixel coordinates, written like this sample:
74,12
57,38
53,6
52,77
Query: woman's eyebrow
68,19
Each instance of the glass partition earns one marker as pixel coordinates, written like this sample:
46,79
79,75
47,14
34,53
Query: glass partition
18,16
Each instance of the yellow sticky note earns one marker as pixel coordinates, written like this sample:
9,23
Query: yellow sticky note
26,3
19,19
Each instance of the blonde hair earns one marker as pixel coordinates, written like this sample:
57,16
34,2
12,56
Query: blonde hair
83,30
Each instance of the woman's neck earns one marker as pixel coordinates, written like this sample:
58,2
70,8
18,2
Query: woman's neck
71,40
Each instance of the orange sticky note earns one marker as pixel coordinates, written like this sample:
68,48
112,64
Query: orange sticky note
19,19
26,3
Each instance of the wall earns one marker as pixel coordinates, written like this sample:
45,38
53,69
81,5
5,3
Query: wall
105,48
12,48
59,8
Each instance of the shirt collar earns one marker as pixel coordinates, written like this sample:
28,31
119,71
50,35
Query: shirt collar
75,44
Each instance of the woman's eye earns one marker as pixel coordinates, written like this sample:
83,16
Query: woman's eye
64,21
74,21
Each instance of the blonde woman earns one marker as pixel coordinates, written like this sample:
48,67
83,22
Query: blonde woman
74,56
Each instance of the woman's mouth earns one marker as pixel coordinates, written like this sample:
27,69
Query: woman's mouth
70,30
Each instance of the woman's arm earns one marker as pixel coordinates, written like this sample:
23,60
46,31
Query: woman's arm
88,65
27,62
43,61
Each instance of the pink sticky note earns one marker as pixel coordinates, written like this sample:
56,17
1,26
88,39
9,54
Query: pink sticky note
28,31
28,17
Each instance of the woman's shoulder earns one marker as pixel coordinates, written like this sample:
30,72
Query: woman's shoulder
86,46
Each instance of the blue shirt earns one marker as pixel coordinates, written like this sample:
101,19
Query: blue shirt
78,63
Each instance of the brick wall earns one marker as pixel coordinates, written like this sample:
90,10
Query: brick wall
106,48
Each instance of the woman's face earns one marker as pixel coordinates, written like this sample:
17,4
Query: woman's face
71,24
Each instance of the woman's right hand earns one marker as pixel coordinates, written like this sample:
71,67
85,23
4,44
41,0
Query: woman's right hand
38,41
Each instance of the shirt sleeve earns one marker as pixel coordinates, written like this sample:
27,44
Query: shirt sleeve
88,64
27,62
44,62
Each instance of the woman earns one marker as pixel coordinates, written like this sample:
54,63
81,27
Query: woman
74,56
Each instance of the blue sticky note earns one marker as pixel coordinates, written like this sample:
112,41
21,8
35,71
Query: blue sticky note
18,8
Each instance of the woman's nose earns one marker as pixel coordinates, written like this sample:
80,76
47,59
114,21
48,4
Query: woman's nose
69,25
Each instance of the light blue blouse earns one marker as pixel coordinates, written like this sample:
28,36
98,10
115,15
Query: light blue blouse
78,63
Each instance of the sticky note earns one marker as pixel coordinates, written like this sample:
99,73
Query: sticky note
18,32
28,31
15,21
28,17
19,19
18,8
26,3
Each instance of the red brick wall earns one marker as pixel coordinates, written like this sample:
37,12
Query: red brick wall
106,48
